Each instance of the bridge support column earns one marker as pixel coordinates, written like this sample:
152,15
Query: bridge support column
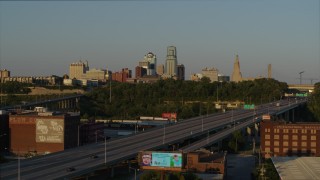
112,172
286,116
293,115
249,131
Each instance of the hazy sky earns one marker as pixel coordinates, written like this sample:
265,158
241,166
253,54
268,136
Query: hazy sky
42,38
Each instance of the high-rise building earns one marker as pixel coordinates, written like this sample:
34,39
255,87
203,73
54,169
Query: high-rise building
149,63
171,62
236,74
211,73
180,72
78,69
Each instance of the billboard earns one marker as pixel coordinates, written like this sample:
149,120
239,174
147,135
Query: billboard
169,116
161,160
49,131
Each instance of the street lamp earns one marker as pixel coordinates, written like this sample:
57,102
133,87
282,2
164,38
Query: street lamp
105,150
301,76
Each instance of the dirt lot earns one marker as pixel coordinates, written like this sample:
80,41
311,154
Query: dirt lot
41,90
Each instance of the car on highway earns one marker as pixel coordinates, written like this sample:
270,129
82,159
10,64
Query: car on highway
94,156
70,169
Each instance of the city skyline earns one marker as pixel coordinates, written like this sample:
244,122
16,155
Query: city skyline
52,35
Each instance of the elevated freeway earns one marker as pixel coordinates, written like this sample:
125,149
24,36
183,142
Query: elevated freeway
53,166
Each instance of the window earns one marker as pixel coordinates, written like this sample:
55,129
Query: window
294,143
303,131
313,144
285,143
294,130
276,130
267,130
266,149
267,136
285,137
285,130
313,131
276,150
313,137
294,137
267,143
276,143
304,144
285,150
276,136
303,137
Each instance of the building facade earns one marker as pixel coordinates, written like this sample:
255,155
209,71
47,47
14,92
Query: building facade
4,73
122,76
211,73
160,69
180,72
43,133
78,69
279,138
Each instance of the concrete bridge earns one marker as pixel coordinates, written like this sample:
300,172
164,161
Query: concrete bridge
302,87
54,166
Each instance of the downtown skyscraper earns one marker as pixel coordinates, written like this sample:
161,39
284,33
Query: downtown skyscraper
171,61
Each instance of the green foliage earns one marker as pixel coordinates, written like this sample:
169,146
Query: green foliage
187,98
314,102
237,141
14,87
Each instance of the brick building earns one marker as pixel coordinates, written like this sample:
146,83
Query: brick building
43,132
205,162
280,138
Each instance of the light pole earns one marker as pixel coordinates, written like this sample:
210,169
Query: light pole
135,172
301,76
105,150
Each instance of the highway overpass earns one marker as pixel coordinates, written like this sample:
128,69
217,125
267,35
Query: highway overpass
53,166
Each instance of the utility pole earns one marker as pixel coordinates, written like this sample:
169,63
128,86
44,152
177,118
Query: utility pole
301,76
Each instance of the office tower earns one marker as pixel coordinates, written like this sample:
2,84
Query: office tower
211,73
78,69
152,59
269,71
236,74
149,64
160,69
180,72
171,62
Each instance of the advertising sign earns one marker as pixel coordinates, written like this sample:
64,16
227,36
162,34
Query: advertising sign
49,131
169,115
161,160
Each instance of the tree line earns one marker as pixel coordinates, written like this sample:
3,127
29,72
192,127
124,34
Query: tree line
186,98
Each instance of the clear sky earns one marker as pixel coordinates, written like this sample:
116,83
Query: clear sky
41,38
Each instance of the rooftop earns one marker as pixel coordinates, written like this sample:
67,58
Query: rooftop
292,168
